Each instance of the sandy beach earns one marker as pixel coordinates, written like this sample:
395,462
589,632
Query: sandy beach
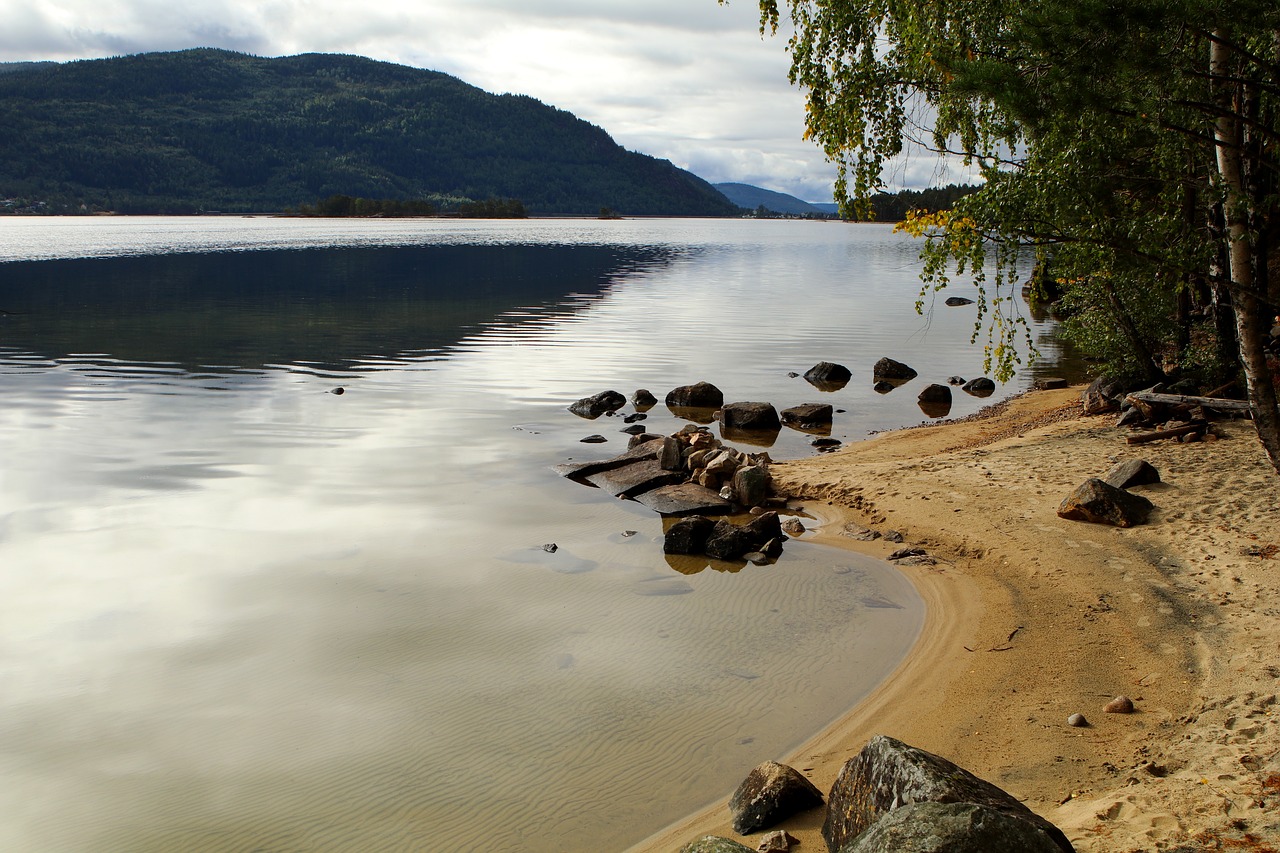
1033,618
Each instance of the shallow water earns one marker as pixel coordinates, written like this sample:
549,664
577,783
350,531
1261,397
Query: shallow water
241,612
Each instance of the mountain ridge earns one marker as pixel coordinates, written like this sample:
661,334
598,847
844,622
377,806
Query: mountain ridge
205,129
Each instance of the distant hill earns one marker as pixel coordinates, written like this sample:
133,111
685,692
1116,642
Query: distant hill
216,130
751,198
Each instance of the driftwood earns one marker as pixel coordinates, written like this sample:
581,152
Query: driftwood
1187,400
1166,433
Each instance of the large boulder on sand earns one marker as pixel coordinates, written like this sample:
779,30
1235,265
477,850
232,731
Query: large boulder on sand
1132,472
700,395
950,828
770,794
1101,503
888,774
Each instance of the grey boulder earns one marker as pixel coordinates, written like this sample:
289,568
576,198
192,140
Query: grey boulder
1099,502
950,828
770,794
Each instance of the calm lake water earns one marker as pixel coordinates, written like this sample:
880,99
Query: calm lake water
239,612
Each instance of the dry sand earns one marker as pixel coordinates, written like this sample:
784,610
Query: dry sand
1033,618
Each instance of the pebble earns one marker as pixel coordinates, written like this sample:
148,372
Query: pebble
1077,720
1119,705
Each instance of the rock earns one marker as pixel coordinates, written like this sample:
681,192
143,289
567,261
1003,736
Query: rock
936,827
883,386
863,534
888,774
688,535
633,479
684,499
643,438
671,456
772,549
750,416
770,794
632,418
793,527
596,405
1131,472
1100,503
828,377
643,400
700,395
1077,721
892,371
729,542
825,443
593,439
980,387
763,527
751,485
893,536
634,429
646,450
777,842
1050,383
1119,705
936,394
807,414
956,380
714,844
1130,416
758,558
957,301
1102,396
551,547
723,462
902,553
339,391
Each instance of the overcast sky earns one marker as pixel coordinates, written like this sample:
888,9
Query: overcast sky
686,80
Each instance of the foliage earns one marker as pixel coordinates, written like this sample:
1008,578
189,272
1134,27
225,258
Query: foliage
345,205
1133,145
214,130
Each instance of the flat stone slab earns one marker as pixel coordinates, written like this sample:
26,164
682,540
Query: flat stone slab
684,499
582,470
632,479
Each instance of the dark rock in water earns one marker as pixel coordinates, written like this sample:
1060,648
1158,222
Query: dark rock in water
715,844
647,450
700,395
888,774
947,827
634,429
935,410
1101,503
793,527
826,376
643,400
598,404
807,414
339,391
634,478
729,542
935,393
980,387
750,416
956,380
683,499
1131,472
638,416
688,535
770,794
791,374
772,549
763,527
593,439
957,301
825,443
551,547
751,485
883,386
892,371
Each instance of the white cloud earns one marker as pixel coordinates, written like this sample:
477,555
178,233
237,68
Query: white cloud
690,81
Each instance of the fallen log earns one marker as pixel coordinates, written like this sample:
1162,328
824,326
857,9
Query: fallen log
1166,433
1187,400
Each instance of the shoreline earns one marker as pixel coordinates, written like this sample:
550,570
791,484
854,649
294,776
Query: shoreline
1032,618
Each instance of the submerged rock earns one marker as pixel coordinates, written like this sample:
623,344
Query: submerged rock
808,415
828,376
598,404
893,371
980,387
688,535
749,416
700,395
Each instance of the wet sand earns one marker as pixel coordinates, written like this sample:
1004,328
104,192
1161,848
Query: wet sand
1033,618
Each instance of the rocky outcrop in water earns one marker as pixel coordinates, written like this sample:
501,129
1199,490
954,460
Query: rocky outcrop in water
888,370
598,404
700,395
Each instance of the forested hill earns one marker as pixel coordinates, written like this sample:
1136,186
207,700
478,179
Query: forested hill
214,130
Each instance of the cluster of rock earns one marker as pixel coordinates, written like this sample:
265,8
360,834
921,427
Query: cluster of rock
890,798
1107,499
758,541
935,400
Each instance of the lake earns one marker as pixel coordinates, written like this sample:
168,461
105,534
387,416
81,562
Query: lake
239,611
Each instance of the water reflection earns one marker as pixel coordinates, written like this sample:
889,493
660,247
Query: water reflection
320,309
